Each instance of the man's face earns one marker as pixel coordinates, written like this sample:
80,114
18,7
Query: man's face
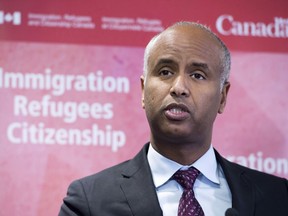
181,93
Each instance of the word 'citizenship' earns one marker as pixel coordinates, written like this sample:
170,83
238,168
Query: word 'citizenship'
58,84
69,111
39,134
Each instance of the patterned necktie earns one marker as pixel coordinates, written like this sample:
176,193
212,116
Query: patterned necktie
188,205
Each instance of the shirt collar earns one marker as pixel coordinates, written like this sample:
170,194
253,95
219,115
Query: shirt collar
163,168
207,165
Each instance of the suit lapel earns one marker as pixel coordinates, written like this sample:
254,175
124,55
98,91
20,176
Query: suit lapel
138,186
242,189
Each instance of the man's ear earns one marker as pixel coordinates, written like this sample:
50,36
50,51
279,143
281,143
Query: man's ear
142,78
224,94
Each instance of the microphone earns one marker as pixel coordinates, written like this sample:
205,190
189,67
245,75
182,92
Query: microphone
231,212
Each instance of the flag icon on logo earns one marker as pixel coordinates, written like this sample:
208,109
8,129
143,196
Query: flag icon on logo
14,18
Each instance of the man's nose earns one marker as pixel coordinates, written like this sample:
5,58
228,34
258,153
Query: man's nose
179,87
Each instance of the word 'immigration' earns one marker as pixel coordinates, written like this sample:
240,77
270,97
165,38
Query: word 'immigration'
227,25
60,83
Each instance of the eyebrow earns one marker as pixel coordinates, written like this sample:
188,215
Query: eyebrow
193,64
165,61
170,61
201,65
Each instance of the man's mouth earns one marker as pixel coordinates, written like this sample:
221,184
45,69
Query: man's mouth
177,112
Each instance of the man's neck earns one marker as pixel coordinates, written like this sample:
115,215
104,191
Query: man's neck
182,153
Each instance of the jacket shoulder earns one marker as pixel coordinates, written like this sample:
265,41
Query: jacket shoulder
105,175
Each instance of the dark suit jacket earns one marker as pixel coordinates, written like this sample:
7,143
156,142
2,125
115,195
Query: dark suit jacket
127,189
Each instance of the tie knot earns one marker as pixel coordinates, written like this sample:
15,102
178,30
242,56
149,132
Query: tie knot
186,178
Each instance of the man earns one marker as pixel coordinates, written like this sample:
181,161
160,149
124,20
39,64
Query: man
184,87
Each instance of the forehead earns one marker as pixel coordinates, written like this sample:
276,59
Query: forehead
187,43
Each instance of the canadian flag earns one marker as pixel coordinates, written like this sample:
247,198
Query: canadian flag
14,18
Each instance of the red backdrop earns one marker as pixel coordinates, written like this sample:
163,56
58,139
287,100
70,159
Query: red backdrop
70,89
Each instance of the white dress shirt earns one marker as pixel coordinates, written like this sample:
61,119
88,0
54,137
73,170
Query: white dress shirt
210,188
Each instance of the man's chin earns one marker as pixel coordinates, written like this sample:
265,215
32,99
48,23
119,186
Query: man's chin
178,134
